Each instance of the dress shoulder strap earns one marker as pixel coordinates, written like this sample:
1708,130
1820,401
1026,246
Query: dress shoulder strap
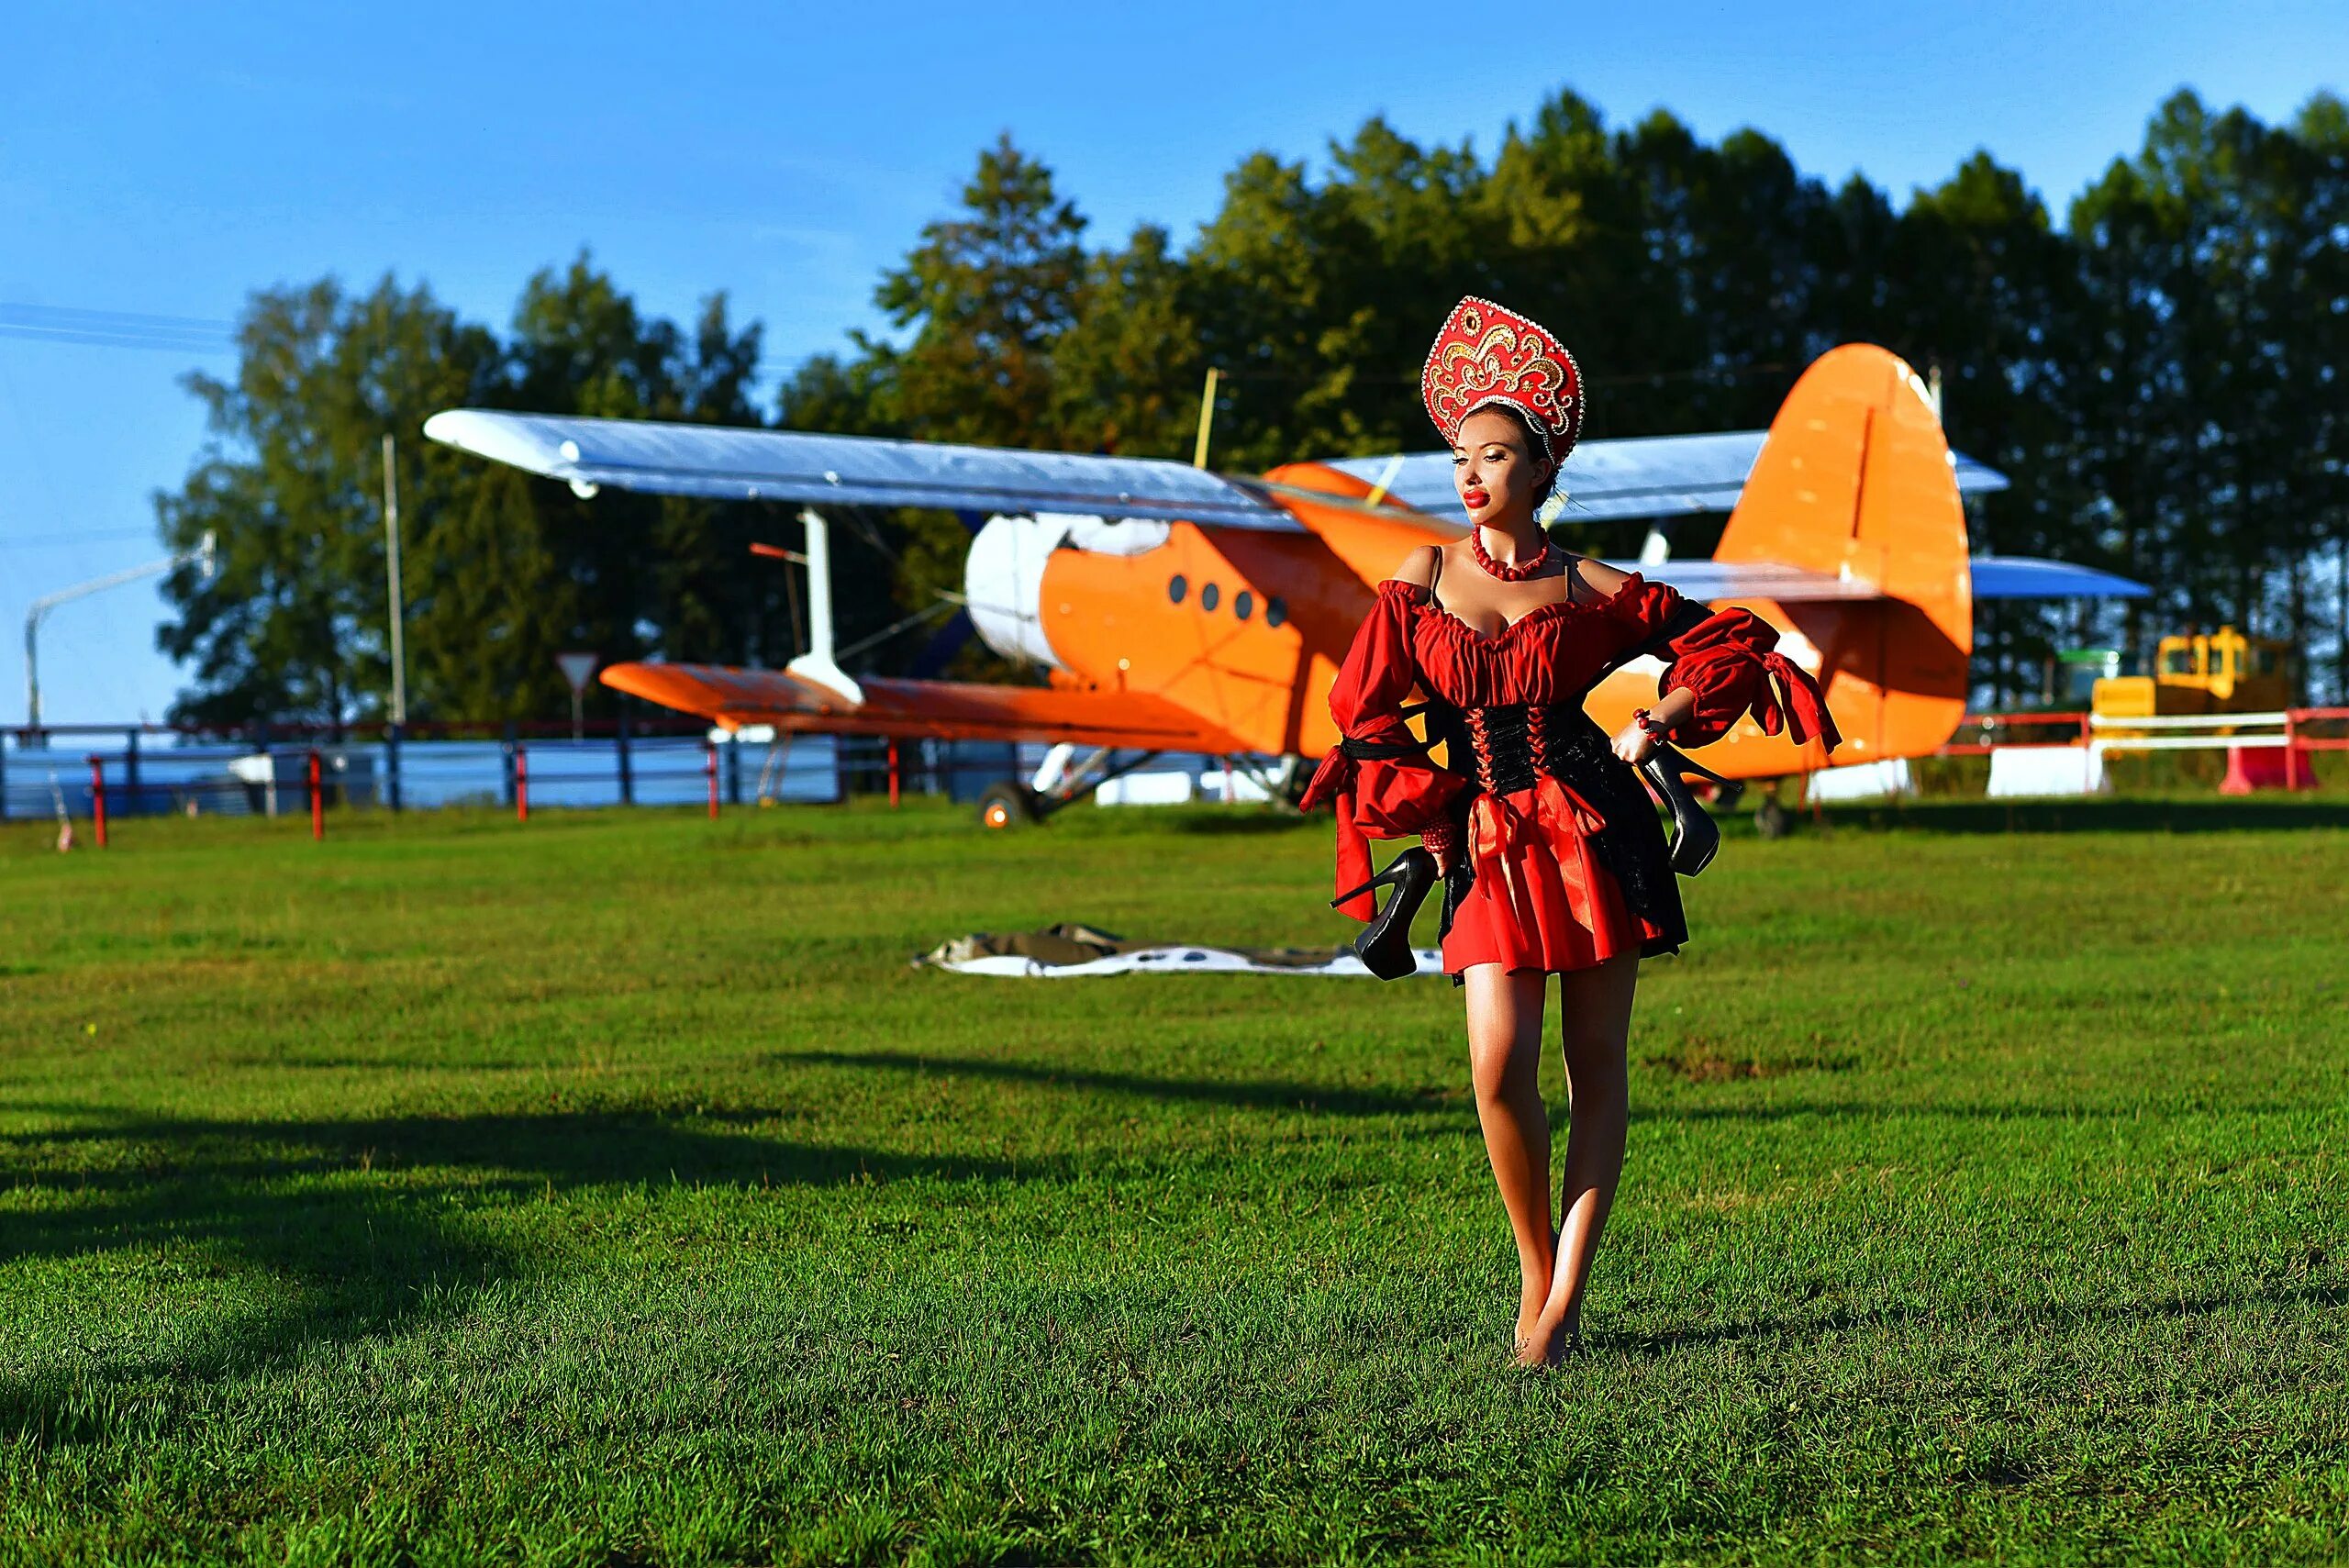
1435,573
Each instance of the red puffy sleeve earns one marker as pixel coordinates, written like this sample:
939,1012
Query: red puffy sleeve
1728,660
1378,775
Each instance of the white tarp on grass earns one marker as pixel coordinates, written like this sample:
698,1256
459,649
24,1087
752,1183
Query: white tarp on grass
1070,950
1174,961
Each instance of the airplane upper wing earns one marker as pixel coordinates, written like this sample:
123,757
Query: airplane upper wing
1640,476
1710,582
731,464
943,710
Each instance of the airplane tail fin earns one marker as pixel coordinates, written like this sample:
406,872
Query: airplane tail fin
1856,480
1364,527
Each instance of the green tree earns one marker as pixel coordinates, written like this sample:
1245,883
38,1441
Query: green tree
502,571
985,300
2317,275
294,625
985,295
1126,374
2214,259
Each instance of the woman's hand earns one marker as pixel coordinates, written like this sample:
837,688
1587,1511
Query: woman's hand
1442,838
1635,745
1650,728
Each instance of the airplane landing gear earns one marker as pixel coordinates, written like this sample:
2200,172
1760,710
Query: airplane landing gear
1771,820
1063,780
1007,805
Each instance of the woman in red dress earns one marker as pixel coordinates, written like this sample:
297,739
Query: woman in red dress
1549,849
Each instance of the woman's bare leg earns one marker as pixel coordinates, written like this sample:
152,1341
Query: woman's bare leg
1595,1025
1505,1060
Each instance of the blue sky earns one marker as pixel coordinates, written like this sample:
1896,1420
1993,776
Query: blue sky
167,160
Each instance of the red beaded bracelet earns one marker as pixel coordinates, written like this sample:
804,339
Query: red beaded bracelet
1648,722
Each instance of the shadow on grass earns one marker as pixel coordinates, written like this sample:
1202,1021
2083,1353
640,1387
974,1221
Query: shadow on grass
350,1224
2036,1315
1255,1094
2219,816
1455,1102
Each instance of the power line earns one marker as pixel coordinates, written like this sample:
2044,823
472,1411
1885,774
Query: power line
91,536
117,329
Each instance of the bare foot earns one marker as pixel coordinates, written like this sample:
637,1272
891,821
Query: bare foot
1534,1294
1549,1344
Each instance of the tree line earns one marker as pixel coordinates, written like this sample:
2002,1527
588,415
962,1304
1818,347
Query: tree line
2159,374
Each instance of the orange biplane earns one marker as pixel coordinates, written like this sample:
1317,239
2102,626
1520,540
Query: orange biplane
1179,610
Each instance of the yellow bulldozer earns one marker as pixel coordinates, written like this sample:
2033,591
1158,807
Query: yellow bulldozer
2202,673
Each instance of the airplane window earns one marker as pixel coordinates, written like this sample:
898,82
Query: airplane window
1244,603
1176,586
1276,610
1208,596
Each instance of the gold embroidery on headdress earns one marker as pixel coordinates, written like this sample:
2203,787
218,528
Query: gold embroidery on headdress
1488,355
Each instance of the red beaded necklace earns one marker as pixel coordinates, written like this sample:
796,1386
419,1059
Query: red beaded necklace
1516,572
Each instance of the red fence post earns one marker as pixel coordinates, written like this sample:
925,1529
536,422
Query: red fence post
317,801
893,775
521,783
2291,753
709,768
98,800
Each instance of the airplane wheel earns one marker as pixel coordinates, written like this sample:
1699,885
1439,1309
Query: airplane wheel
1772,821
1007,805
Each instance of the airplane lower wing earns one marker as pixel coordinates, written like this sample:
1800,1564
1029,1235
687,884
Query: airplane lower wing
938,710
1994,577
2026,577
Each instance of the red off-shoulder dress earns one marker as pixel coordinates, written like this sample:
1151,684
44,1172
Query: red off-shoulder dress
1562,855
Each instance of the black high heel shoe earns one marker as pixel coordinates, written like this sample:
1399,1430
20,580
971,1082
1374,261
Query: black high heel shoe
1696,837
1385,945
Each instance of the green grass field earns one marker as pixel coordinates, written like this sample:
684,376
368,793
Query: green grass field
610,1191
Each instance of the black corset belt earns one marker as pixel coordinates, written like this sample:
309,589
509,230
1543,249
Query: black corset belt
1506,748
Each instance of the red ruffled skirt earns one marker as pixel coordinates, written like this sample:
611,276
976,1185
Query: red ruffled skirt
1542,900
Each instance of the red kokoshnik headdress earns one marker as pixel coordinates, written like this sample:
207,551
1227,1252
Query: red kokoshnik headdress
1487,354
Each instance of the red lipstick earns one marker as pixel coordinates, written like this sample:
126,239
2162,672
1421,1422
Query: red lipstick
1476,497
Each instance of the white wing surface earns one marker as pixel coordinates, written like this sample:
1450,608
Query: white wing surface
1712,582
849,471
1642,476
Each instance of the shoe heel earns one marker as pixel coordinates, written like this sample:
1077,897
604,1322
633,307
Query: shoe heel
1385,945
1390,877
1696,837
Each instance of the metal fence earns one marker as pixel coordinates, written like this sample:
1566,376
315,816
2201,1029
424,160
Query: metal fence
77,770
